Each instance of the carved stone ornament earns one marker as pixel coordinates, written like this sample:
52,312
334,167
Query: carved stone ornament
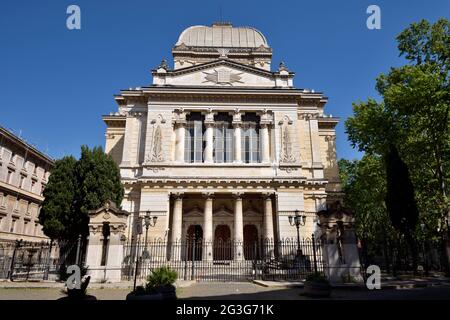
223,76
286,146
157,154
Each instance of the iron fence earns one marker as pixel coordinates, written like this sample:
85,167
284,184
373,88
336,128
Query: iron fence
397,257
225,260
46,260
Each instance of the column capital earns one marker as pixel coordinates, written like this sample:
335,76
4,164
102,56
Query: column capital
178,195
209,115
208,195
237,195
179,116
267,195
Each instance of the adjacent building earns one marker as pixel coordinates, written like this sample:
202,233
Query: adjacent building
24,173
223,145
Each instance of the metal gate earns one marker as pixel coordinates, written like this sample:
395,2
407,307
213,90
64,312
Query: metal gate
262,259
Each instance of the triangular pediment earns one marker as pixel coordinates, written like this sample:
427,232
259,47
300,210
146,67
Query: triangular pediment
223,73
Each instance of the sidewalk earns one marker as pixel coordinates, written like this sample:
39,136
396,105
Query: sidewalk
7,284
387,283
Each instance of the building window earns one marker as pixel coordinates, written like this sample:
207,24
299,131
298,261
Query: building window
36,229
194,142
22,182
13,226
33,183
250,138
9,177
42,189
25,227
223,138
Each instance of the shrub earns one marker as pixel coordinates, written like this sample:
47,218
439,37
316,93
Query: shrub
160,277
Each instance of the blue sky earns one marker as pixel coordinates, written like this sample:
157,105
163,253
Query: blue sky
56,83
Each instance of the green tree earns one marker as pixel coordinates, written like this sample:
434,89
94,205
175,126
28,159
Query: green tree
364,186
414,117
98,181
56,214
74,188
400,200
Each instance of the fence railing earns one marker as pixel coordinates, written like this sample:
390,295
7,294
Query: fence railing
396,258
22,260
195,259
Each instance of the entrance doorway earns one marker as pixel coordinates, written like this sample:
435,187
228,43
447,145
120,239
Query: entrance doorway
194,238
251,249
222,243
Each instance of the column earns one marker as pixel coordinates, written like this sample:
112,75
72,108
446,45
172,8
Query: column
177,219
268,218
238,228
209,134
208,227
179,141
315,146
237,136
268,226
129,132
265,145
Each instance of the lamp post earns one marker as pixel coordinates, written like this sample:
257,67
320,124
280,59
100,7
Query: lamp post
148,222
297,220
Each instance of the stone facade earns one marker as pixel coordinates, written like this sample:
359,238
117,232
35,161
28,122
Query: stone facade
222,146
24,173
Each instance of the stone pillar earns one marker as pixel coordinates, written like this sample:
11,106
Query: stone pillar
340,250
179,141
128,139
238,228
265,144
116,221
315,145
177,219
268,217
268,226
209,134
237,122
208,227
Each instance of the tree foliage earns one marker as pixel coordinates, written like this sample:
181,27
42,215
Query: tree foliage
56,215
409,128
400,200
74,188
414,113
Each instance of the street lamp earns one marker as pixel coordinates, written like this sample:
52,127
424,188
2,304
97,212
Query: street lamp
297,221
148,222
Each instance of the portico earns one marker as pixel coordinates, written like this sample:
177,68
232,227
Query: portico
237,219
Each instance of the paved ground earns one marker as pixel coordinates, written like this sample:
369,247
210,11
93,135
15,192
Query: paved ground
241,291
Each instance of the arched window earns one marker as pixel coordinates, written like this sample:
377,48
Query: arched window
250,138
194,143
223,138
